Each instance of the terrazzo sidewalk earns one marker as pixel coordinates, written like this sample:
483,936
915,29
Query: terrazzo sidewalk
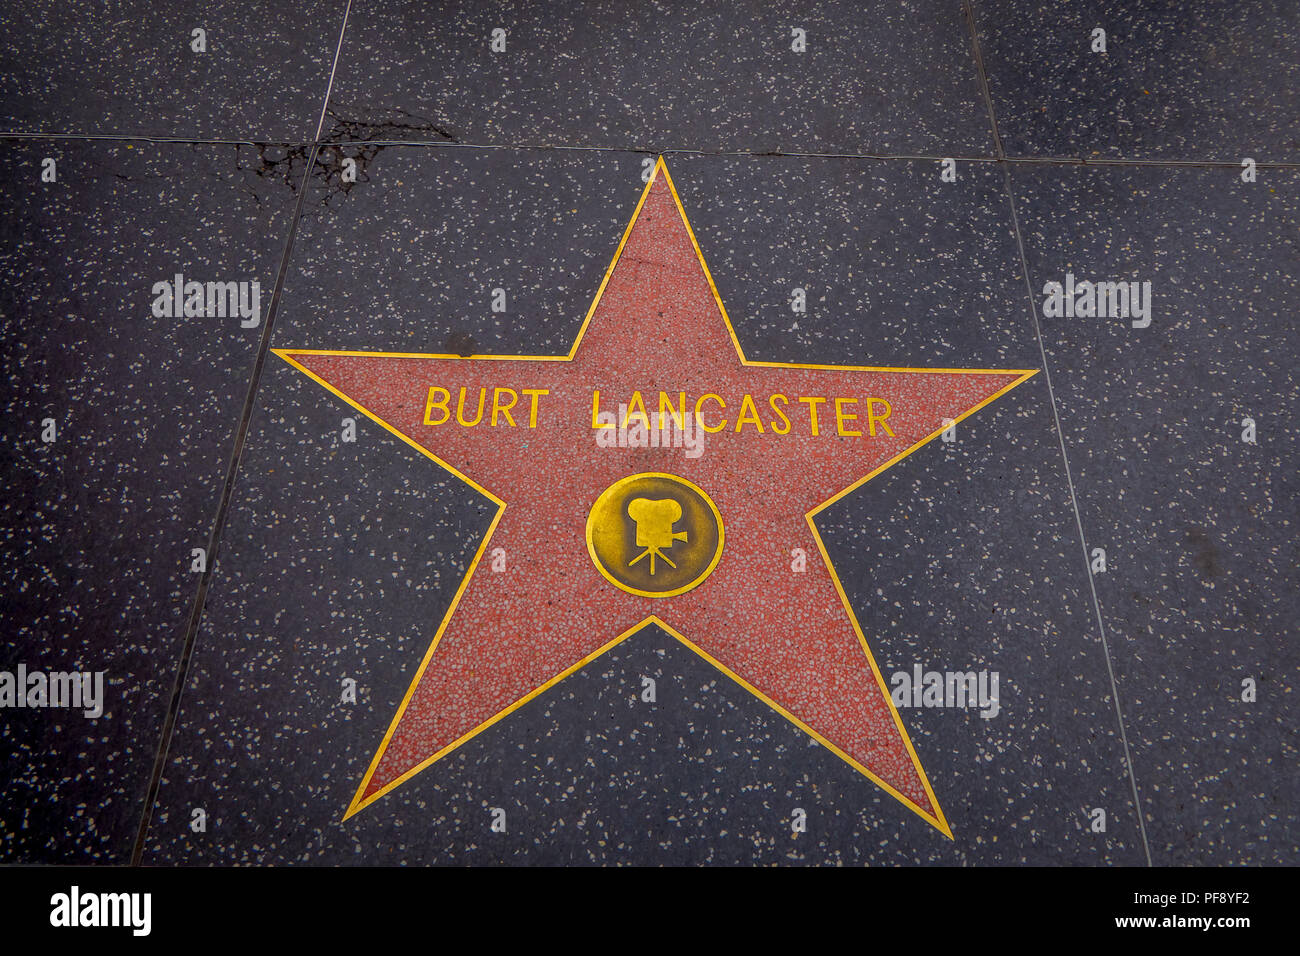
261,569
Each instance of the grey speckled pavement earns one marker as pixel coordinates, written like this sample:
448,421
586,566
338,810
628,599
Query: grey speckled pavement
255,569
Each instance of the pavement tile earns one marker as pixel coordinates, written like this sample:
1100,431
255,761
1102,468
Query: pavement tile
716,75
128,68
98,526
1198,525
1206,81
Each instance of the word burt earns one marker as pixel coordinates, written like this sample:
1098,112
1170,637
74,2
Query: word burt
437,406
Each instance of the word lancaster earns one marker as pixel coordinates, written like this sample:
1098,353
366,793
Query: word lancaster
816,415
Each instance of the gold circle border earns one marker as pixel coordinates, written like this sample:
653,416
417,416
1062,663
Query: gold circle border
717,555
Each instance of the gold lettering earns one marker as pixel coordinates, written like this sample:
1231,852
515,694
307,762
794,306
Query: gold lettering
748,414
812,404
460,407
534,394
503,409
872,417
430,405
721,406
841,418
774,426
595,412
678,416
636,408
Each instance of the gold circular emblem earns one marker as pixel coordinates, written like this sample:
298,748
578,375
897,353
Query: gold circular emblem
654,534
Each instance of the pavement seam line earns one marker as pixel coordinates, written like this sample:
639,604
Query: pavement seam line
329,87
1056,420
968,8
1078,520
223,505
669,151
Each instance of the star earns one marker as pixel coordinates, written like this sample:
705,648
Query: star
780,443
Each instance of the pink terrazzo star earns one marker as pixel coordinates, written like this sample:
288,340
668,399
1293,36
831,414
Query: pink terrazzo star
657,325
